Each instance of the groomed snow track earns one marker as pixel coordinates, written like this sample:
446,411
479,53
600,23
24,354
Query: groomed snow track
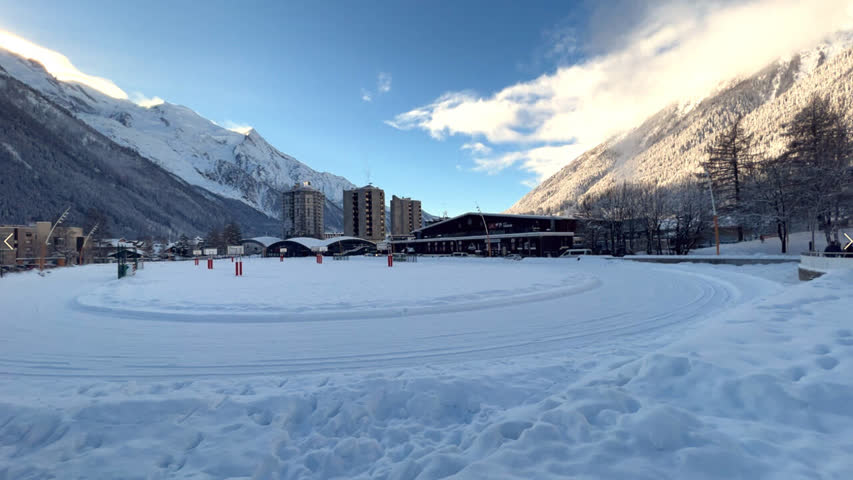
150,326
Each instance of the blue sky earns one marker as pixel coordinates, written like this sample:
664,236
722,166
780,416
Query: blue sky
296,71
469,101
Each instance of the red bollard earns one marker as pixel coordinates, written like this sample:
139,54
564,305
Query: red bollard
196,262
232,259
241,267
390,260
319,258
281,258
237,269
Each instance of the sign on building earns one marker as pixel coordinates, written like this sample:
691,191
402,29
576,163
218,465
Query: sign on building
196,253
235,250
210,251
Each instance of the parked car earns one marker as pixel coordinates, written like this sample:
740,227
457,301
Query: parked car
574,252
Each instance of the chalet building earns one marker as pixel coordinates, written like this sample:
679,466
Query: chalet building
502,234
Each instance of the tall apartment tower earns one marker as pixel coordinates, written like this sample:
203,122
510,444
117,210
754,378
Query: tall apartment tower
405,215
364,213
302,211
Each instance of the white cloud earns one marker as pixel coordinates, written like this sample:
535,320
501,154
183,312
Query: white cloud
383,82
57,64
145,102
538,160
477,148
682,50
383,85
530,182
237,127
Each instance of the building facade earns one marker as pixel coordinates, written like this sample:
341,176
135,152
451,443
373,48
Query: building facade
364,213
493,234
406,216
27,244
302,211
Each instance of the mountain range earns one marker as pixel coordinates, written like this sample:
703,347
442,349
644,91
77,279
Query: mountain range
668,146
224,166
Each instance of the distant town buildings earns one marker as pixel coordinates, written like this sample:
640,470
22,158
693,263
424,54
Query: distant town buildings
364,213
302,211
493,234
25,244
406,216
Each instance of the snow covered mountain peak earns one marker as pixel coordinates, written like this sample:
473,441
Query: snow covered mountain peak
668,146
238,165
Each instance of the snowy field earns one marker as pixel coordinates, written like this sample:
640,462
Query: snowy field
445,368
797,243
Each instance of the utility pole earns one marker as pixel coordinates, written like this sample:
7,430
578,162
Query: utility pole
486,226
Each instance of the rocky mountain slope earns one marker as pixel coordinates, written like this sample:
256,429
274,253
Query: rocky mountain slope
50,160
234,165
668,146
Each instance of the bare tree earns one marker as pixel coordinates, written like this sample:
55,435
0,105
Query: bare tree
690,208
774,196
651,202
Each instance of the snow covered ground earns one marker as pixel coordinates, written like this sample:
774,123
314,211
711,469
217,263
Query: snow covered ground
798,243
451,367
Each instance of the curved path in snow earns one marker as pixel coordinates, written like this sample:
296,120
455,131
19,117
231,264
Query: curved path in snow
176,320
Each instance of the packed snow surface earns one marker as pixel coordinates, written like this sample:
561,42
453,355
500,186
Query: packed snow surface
444,368
771,246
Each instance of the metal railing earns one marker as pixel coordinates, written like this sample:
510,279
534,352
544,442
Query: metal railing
828,254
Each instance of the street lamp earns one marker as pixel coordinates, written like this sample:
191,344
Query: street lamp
47,240
486,226
714,210
85,240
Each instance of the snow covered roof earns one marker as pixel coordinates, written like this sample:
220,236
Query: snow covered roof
309,242
264,241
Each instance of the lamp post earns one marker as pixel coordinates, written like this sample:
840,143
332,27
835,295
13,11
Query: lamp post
486,226
714,210
86,240
47,240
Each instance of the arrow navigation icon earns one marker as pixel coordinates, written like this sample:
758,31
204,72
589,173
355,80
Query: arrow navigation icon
6,241
851,242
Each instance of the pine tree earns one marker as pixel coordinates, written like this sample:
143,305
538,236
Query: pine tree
729,157
819,151
232,234
213,239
